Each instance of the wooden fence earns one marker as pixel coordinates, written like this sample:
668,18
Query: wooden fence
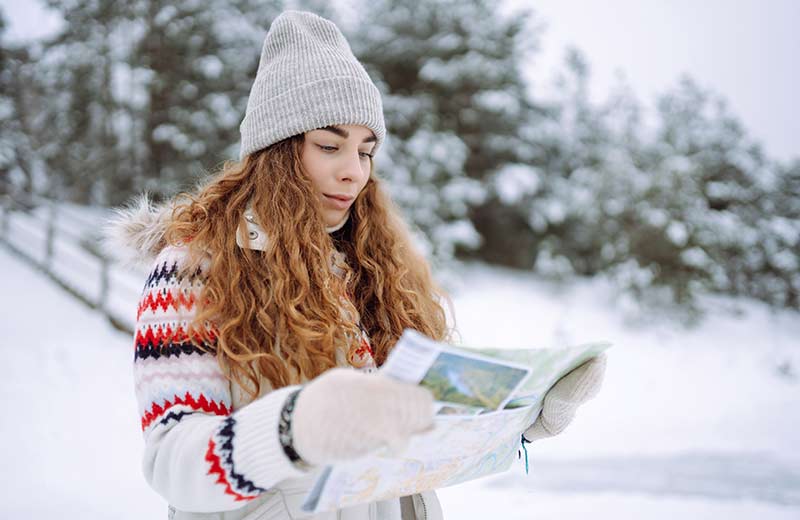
63,242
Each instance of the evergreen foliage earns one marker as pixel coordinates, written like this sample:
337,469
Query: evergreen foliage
148,95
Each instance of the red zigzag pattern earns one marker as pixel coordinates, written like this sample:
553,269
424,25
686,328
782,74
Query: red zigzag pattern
200,403
163,334
158,300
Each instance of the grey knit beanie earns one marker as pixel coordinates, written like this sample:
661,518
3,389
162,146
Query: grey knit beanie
307,78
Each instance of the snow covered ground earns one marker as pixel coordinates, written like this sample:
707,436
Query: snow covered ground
694,424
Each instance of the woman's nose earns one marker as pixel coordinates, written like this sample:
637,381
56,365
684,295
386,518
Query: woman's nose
353,168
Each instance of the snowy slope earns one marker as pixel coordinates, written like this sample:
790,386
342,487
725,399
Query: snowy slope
685,415
71,438
713,388
691,424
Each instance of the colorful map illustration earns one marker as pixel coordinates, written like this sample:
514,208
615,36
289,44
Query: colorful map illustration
459,448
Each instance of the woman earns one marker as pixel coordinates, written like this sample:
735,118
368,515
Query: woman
286,267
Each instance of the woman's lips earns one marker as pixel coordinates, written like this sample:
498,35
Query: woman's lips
339,201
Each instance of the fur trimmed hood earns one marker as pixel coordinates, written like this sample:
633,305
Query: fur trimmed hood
134,235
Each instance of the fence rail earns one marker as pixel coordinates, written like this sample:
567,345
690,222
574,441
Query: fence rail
63,243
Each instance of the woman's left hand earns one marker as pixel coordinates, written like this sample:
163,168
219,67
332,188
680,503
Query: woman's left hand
563,399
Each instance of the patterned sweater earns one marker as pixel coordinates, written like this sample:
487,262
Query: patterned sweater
205,449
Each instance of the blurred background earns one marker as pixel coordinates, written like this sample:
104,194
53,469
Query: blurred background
576,171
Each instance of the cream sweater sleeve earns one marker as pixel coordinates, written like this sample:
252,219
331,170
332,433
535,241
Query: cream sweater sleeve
199,454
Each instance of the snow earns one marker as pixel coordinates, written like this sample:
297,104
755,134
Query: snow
516,181
211,66
786,229
711,388
695,257
691,423
499,101
677,233
458,232
495,503
71,438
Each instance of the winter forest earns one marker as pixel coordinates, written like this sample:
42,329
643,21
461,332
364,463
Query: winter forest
552,217
667,202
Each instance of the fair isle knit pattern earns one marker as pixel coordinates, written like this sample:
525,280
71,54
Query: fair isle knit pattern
165,357
174,378
200,453
220,458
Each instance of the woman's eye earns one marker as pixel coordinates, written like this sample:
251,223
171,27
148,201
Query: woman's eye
329,149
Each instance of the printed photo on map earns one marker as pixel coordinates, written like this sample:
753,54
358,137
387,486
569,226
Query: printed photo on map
473,381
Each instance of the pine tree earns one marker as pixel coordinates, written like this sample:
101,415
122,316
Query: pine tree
455,101
586,163
146,94
778,279
196,61
16,162
694,224
71,127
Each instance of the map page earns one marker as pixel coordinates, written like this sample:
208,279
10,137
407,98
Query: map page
486,398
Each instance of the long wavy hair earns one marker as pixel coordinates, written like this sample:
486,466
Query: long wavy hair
281,313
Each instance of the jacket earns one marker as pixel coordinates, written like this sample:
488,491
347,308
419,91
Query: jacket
209,451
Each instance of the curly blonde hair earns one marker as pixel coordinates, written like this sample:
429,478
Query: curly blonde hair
281,313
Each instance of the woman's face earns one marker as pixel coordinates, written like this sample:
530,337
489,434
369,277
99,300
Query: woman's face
338,161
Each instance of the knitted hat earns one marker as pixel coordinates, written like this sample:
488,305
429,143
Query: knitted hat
307,78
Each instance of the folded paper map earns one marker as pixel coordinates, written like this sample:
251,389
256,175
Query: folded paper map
485,399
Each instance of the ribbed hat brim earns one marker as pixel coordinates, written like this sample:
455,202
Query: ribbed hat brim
327,102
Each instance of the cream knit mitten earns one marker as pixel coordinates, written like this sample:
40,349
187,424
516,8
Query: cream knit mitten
563,399
343,414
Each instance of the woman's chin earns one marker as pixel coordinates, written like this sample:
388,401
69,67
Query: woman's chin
332,219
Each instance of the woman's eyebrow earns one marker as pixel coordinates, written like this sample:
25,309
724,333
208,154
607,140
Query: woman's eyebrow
341,132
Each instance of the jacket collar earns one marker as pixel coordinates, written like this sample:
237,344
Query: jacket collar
250,235
134,235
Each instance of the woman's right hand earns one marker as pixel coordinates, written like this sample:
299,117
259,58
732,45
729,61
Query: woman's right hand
344,414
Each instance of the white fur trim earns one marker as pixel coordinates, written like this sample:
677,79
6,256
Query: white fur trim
135,234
